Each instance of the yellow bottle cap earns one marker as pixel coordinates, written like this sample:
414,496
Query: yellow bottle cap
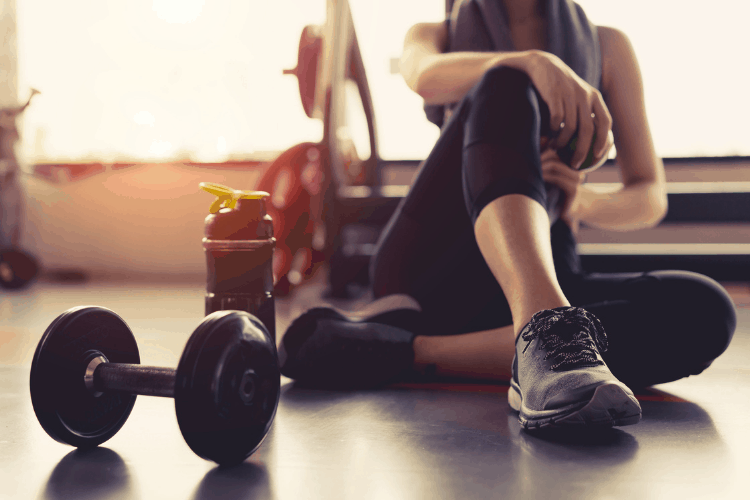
227,197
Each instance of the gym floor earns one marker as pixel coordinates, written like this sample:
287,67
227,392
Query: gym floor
426,441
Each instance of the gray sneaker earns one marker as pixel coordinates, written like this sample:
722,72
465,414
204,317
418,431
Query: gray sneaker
559,377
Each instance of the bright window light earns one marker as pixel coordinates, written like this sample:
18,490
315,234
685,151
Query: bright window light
202,80
692,55
178,11
143,80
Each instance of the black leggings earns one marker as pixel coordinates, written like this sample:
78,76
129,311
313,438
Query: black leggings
661,325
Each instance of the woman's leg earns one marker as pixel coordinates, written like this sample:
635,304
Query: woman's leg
428,250
511,221
513,236
485,355
661,326
486,158
488,354
558,375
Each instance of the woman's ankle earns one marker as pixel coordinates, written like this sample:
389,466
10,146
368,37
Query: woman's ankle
526,313
423,361
480,355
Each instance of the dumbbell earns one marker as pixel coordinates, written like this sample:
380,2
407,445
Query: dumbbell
86,374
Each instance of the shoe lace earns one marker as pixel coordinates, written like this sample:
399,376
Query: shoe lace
570,335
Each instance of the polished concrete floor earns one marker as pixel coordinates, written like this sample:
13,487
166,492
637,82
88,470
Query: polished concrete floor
421,441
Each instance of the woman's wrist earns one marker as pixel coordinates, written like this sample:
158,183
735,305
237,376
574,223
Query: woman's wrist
587,201
522,60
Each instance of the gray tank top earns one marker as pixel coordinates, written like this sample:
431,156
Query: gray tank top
482,26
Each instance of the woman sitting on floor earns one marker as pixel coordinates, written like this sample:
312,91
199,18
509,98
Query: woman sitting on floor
477,273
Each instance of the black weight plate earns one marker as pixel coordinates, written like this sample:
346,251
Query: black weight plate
215,421
62,403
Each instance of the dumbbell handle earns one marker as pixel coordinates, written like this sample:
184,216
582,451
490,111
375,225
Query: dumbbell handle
102,376
134,379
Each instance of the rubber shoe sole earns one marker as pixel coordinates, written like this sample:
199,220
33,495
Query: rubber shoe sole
609,406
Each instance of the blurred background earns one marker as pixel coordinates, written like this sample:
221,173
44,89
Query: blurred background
142,100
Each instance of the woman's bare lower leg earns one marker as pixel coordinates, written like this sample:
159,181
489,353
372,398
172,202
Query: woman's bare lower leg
482,355
513,233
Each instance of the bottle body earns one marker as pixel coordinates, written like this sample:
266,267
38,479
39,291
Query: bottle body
239,247
260,306
240,278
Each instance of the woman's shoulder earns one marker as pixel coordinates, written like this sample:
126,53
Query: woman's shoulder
617,52
610,34
614,41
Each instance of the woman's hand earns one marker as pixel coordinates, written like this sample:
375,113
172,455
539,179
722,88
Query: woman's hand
575,106
569,181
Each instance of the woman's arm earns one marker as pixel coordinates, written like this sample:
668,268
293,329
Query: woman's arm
445,78
642,201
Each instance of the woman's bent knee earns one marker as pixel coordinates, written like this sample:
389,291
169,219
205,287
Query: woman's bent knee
504,107
504,77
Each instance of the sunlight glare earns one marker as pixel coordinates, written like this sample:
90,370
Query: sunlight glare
144,118
221,144
178,11
222,76
160,148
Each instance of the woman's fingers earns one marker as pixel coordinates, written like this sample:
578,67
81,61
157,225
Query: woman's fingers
561,175
570,119
585,135
557,116
558,171
549,154
576,108
604,138
603,123
600,158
